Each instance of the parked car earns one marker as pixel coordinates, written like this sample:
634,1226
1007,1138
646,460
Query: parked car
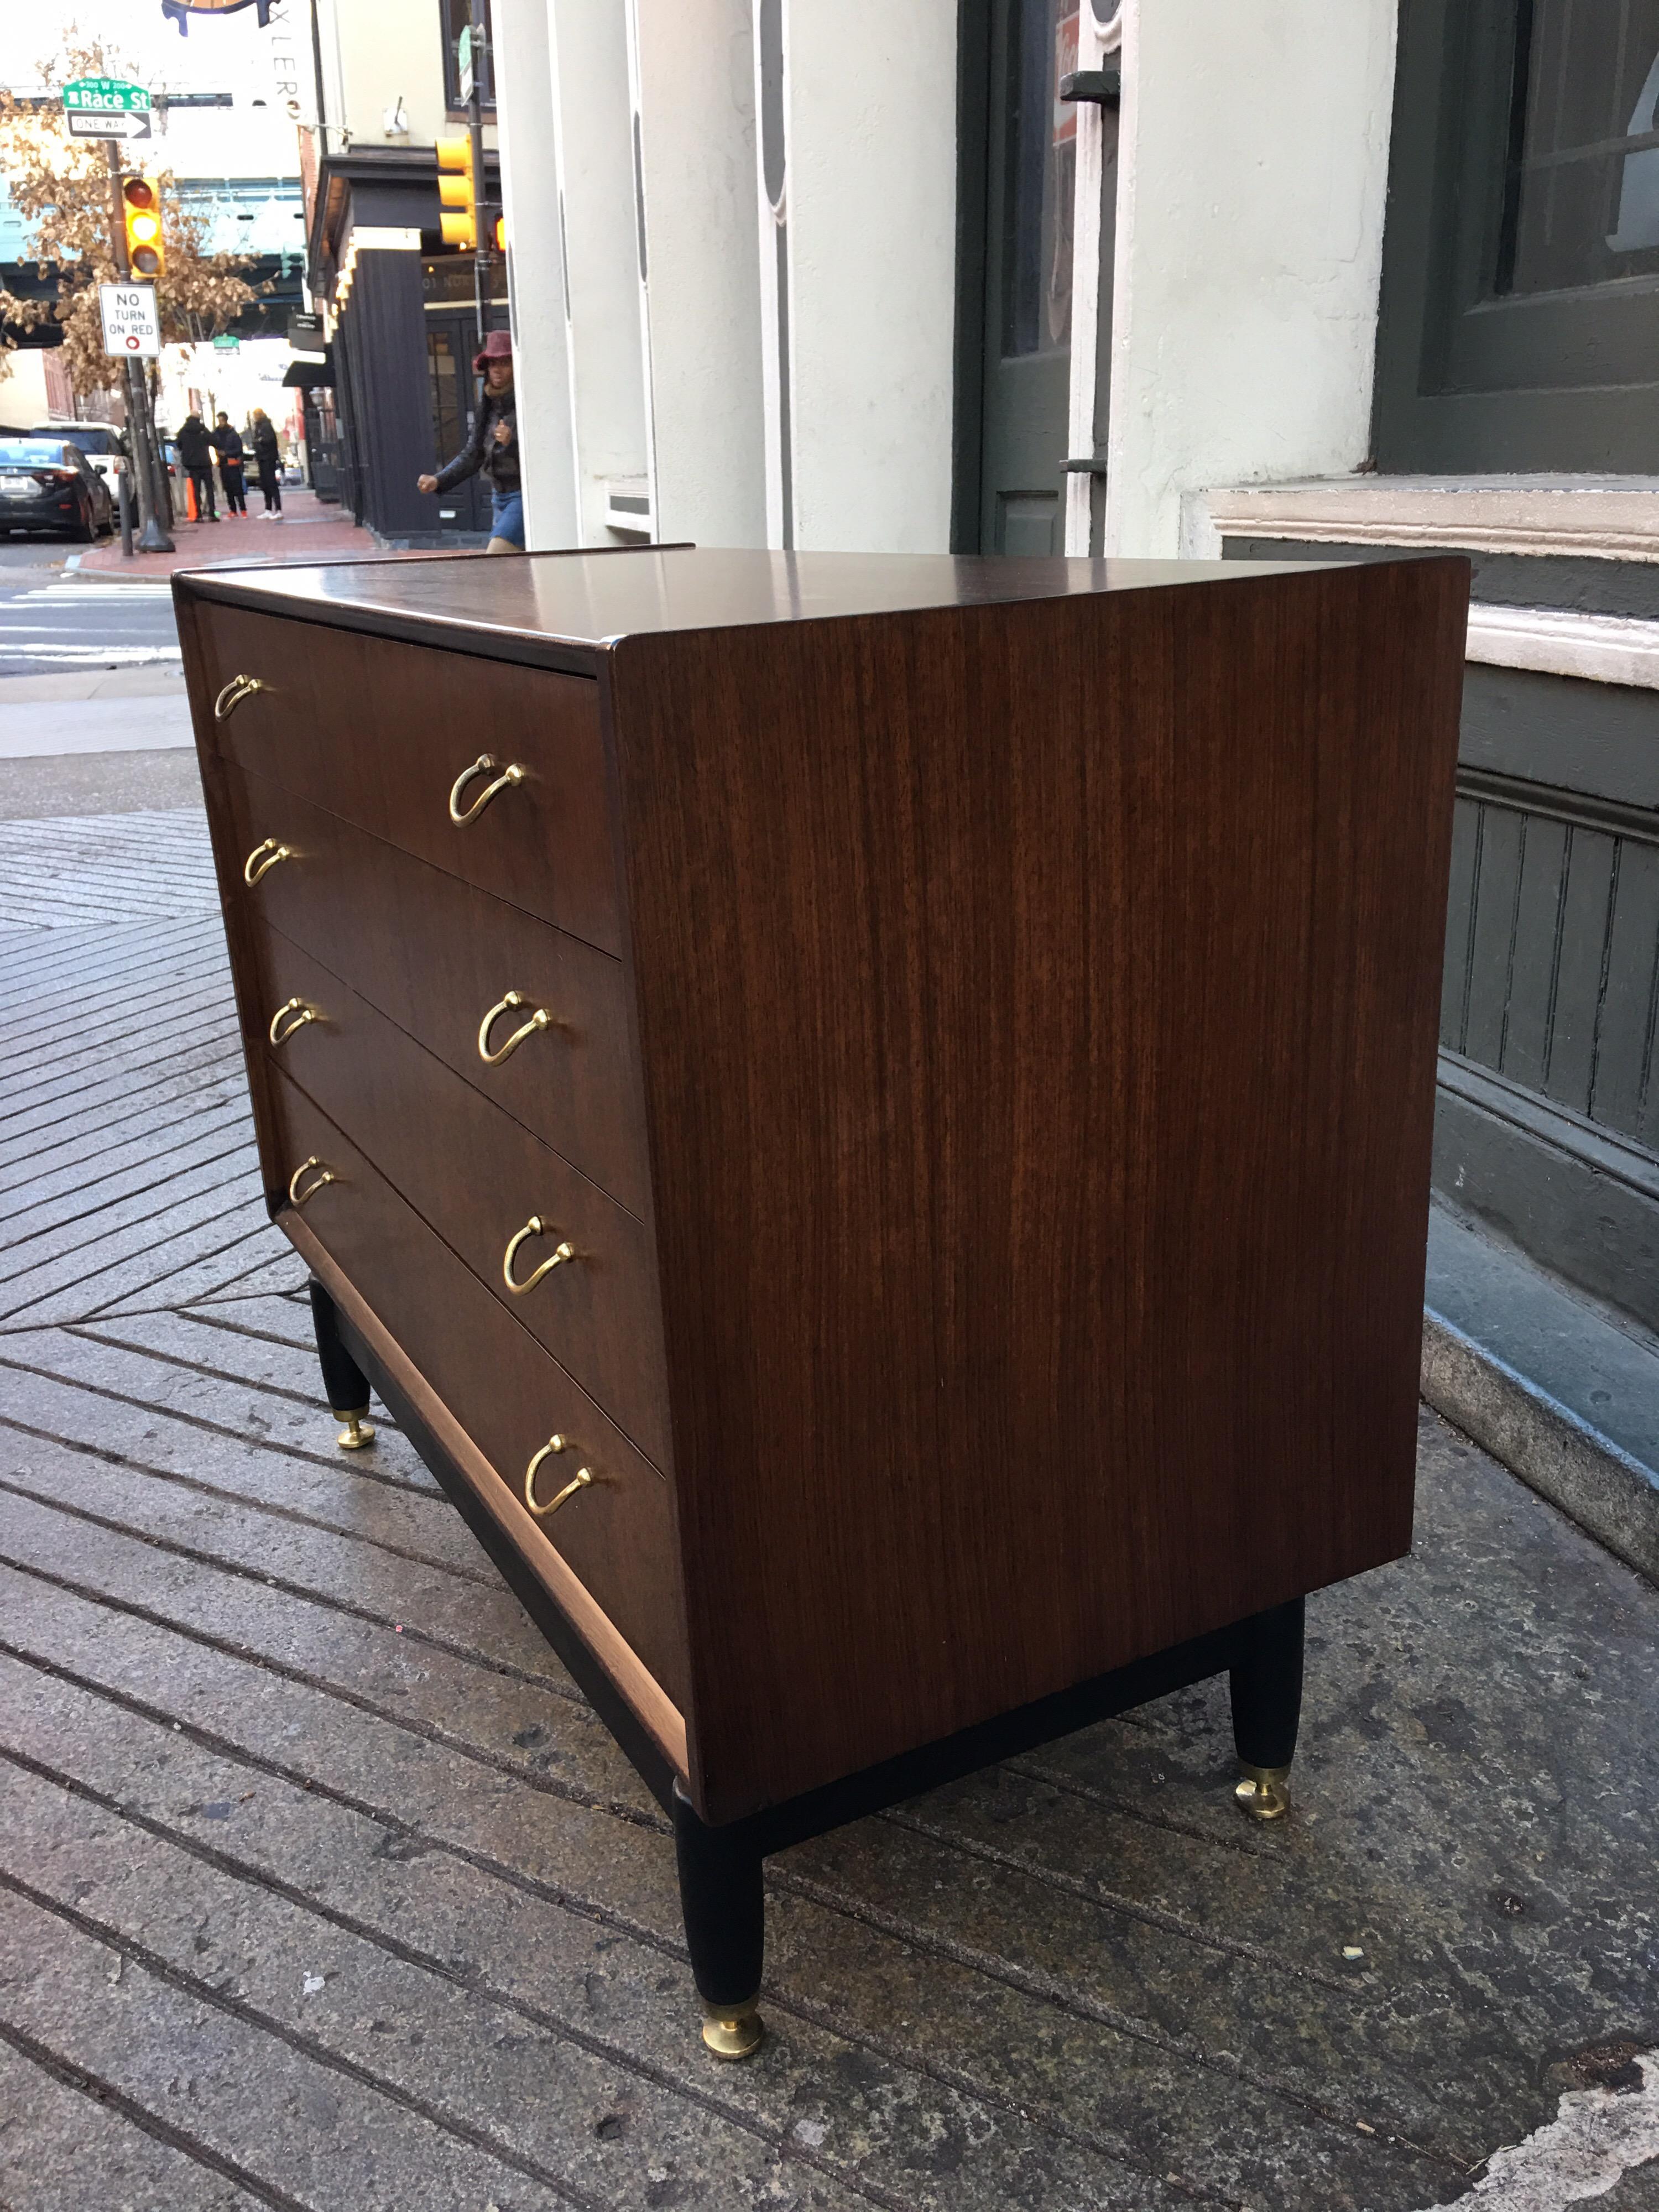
47,483
104,446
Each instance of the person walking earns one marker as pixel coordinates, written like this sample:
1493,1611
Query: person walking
227,441
195,455
493,447
268,462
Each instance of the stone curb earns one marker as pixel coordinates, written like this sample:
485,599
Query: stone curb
1553,1449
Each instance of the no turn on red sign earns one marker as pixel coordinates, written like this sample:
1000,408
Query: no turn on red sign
131,324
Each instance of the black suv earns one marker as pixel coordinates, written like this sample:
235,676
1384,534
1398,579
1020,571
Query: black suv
47,483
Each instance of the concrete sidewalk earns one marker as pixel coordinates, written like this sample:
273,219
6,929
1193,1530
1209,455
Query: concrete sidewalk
323,1888
310,531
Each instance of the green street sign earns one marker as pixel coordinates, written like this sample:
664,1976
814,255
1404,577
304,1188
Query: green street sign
228,342
105,95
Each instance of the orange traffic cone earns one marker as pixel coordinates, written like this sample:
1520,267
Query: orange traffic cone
190,514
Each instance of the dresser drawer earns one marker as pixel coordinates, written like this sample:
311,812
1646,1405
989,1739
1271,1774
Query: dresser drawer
435,955
617,1534
378,732
478,1178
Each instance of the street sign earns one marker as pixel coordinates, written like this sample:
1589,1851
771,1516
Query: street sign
463,57
228,342
84,124
131,324
106,107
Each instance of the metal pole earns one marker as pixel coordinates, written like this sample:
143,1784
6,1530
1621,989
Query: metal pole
152,538
475,125
124,493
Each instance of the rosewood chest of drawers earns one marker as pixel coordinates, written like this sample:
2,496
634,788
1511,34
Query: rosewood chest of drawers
869,1116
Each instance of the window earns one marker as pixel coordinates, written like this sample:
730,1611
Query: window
1520,324
456,15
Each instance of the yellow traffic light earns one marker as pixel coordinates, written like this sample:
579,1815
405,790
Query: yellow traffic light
500,234
458,191
141,211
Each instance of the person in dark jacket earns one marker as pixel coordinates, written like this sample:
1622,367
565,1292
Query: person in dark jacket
195,453
227,441
493,447
268,461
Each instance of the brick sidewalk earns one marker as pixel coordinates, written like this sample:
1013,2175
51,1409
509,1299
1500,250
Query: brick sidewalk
310,531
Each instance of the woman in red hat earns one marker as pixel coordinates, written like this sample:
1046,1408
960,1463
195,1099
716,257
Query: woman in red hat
493,447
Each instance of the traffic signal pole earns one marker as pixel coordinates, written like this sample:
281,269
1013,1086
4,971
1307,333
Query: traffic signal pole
141,462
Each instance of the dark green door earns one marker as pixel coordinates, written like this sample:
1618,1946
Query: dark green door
1028,277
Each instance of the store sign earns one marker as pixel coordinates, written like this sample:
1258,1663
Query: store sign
106,107
131,324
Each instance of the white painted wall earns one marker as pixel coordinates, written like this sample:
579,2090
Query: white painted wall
1253,171
530,191
695,86
594,153
871,117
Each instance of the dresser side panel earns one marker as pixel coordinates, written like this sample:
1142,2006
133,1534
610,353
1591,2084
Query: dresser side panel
1037,1009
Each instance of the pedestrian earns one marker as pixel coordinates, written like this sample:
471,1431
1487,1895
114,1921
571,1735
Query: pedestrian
493,447
267,461
195,453
225,440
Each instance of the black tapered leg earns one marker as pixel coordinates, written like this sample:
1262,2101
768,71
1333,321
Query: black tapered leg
1266,1698
344,1381
721,1897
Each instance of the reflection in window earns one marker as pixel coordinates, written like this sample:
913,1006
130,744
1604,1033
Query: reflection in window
1042,156
1582,193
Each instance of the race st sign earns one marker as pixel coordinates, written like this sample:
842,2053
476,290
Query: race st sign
106,107
131,324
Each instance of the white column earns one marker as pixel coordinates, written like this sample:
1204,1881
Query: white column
1253,174
529,190
593,142
870,118
694,87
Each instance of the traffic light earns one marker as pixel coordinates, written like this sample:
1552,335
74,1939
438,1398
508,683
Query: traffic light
458,191
141,210
500,234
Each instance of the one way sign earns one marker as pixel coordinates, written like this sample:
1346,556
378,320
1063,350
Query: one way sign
131,324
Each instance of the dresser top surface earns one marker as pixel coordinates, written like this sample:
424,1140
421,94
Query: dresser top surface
584,602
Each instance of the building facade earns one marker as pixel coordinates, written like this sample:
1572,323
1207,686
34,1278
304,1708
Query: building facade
402,317
1150,278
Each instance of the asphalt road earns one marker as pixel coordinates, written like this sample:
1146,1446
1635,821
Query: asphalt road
53,619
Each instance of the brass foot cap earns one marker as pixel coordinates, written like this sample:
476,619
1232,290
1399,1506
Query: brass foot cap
1264,1793
733,2030
357,1432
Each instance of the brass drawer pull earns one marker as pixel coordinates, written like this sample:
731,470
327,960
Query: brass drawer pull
272,851
229,699
534,1227
482,766
302,1013
539,1020
298,1197
579,1481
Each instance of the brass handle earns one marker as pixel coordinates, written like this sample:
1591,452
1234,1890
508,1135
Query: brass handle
302,1014
482,766
298,1197
579,1481
238,689
273,851
539,1020
534,1227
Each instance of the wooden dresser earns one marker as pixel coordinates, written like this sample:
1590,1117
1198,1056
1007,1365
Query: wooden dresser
869,1116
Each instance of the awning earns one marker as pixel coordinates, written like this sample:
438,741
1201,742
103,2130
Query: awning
302,374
